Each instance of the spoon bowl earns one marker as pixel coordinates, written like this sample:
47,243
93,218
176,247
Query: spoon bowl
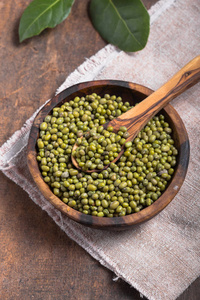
133,93
137,117
94,170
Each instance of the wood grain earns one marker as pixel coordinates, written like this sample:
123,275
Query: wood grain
37,259
132,93
137,117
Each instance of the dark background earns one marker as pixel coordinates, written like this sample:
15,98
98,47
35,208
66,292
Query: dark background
38,260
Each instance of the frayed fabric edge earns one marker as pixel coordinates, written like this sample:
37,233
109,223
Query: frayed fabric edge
85,72
159,8
80,75
116,278
91,67
15,144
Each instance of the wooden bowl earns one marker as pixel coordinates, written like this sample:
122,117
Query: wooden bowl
129,92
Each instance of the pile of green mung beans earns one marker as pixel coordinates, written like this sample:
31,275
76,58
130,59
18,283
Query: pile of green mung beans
134,182
99,147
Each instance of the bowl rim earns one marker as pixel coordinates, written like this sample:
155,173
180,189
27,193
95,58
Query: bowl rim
104,222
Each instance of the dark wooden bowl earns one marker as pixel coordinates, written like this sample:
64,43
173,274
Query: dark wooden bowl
129,92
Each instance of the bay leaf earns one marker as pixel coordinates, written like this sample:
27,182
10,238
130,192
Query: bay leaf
41,14
123,23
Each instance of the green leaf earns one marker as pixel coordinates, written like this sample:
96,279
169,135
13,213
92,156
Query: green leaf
41,14
124,23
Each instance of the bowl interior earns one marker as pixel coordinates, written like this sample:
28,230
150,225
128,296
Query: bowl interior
129,92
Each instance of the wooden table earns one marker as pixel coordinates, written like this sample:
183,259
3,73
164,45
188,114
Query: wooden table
38,260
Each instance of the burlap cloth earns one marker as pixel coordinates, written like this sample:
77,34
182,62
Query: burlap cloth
161,257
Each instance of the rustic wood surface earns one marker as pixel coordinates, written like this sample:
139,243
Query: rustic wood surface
37,260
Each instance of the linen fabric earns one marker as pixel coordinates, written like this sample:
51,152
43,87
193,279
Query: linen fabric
161,257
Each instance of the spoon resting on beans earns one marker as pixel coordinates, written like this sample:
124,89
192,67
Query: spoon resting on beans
138,116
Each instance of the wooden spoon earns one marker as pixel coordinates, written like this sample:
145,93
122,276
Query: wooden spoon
137,117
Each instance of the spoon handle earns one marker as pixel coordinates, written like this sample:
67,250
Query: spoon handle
137,117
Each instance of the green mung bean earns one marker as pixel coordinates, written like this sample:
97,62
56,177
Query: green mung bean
134,182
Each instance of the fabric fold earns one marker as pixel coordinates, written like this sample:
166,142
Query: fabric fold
161,257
